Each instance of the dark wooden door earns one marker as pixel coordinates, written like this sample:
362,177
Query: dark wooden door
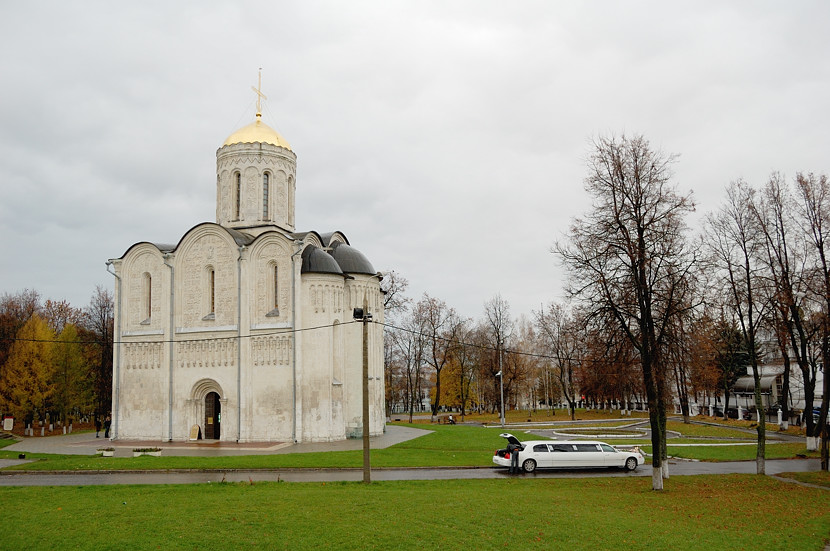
213,413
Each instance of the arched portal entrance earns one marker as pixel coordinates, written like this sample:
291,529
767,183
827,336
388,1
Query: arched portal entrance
213,416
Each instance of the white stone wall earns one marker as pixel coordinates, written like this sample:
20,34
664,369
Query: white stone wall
353,339
204,361
252,161
322,307
206,247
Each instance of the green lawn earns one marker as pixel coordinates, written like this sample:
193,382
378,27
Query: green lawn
702,512
444,446
693,429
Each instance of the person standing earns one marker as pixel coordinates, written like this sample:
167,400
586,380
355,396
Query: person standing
514,450
107,423
97,426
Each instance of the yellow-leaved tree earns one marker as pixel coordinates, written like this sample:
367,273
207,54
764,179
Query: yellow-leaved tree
27,383
72,376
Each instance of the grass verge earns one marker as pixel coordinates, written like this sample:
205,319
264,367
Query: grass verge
619,513
820,478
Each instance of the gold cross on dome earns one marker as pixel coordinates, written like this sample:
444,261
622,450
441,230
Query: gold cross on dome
259,94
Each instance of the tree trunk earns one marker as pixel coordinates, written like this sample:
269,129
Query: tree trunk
760,466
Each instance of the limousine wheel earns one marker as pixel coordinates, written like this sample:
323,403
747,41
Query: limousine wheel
529,465
630,464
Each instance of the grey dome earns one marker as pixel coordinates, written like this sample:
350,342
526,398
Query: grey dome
317,261
350,260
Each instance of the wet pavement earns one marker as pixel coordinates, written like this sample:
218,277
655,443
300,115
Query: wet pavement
679,468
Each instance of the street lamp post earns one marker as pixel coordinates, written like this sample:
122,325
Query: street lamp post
501,384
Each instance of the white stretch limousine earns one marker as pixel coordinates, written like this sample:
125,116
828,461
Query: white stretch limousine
573,454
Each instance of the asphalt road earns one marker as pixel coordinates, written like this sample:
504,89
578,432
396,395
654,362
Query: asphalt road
679,468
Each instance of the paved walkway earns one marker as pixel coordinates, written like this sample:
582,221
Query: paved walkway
86,444
85,478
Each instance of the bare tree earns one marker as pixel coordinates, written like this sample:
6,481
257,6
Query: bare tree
497,329
395,304
814,197
440,325
786,260
737,244
626,256
98,321
410,342
559,336
60,313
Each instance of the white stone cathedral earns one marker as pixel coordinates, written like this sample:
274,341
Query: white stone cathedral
243,331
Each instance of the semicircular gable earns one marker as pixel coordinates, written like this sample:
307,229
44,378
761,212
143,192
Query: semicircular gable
331,238
310,238
194,235
269,240
161,248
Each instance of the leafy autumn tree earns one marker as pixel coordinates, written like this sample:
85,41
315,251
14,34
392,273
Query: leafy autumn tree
440,324
704,373
27,384
610,366
15,311
457,389
72,377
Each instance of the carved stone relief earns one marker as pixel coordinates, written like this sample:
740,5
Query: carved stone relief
142,355
193,286
271,350
212,353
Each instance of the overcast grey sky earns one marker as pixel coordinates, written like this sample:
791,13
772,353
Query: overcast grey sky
446,139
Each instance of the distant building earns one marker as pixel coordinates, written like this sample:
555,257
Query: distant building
243,330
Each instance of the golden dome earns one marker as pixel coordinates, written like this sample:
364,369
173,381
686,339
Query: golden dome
257,132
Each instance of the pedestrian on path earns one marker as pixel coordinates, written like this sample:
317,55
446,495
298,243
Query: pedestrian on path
107,423
97,426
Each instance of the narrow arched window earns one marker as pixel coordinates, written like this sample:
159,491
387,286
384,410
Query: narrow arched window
290,206
238,196
275,288
147,298
212,290
265,183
